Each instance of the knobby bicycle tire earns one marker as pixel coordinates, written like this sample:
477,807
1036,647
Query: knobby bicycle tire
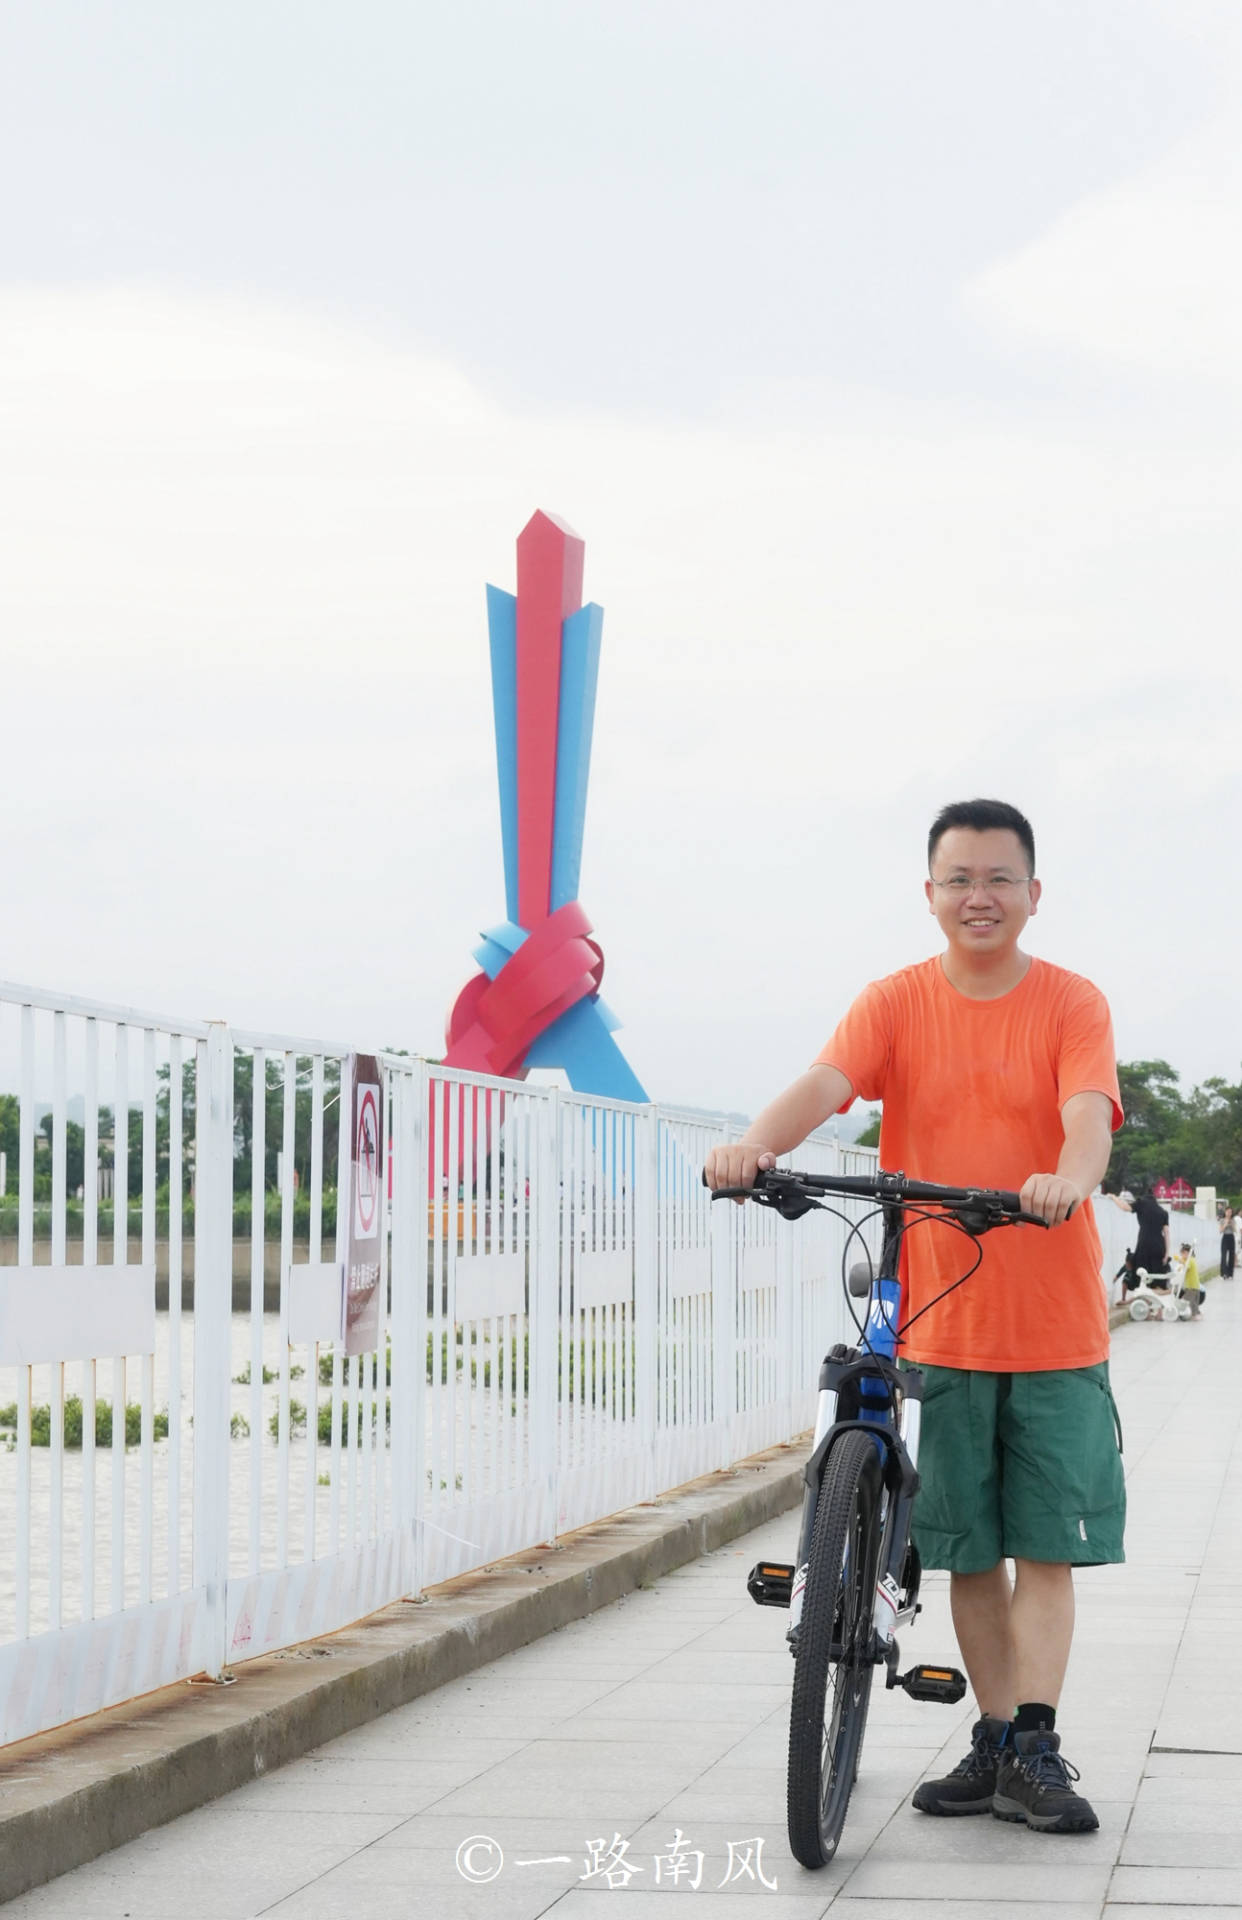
831,1694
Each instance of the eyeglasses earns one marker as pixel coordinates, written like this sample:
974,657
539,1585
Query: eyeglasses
963,883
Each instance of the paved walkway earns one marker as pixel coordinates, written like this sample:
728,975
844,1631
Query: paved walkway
660,1722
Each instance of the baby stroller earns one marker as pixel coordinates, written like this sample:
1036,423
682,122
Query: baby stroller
1158,1296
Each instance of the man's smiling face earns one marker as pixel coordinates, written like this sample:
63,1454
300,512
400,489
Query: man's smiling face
980,889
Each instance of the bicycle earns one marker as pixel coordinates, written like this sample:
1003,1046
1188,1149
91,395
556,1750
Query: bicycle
857,1575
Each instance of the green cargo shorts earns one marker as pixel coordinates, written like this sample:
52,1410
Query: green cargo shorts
1024,1465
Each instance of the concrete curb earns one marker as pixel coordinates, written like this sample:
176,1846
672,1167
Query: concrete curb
67,1797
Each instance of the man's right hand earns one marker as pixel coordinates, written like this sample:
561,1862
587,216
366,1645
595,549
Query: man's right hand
736,1166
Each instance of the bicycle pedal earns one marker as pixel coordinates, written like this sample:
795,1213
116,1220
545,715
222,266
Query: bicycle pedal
934,1683
770,1584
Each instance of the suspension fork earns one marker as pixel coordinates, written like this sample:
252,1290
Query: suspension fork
825,1416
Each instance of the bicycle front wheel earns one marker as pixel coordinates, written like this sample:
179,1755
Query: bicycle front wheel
833,1668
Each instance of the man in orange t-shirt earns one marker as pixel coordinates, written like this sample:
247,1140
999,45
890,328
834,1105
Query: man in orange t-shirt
995,1069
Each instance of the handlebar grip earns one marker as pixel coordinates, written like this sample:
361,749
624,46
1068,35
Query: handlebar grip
760,1180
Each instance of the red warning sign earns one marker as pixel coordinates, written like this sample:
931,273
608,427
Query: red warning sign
364,1262
367,1163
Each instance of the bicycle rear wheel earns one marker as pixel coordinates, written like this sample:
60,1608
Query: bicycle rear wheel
833,1668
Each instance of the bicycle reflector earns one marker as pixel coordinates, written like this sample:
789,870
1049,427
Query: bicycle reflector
934,1683
770,1584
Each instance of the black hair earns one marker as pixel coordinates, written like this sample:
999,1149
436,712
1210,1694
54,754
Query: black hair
980,816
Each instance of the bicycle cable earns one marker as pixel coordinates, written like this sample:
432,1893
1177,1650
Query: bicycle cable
919,1216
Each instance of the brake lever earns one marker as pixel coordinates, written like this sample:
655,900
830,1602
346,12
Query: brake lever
791,1204
981,1220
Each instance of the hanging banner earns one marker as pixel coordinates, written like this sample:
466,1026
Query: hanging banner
365,1104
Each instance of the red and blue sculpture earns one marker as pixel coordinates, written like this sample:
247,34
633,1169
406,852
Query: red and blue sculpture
536,1001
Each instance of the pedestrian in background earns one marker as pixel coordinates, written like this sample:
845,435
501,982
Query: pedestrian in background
1151,1249
1228,1244
1192,1286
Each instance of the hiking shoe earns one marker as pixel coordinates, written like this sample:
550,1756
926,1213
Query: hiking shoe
971,1787
1035,1785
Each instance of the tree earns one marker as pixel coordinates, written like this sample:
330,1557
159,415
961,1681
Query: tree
1152,1103
10,1108
1197,1136
75,1153
274,1120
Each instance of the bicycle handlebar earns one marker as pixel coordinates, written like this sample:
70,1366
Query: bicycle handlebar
794,1193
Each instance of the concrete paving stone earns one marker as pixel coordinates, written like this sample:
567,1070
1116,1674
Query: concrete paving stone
494,1687
640,1699
474,1754
690,1666
1204,1731
612,1629
583,1904
491,1902
678,1751
395,1738
721,1777
556,1781
618,1804
235,1829
843,1908
478,1722
349,1787
545,1832
112,1888
577,1663
1221,1767
766,1804
1171,1801
1150,1845
418,1868
1126,1911
1193,1887
1055,1884
595,1726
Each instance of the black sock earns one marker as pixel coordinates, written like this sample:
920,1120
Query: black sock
1034,1716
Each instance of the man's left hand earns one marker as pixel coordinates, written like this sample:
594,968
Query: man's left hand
1050,1196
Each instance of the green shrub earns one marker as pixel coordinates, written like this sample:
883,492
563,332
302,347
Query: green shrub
297,1419
325,1366
41,1423
242,1379
325,1421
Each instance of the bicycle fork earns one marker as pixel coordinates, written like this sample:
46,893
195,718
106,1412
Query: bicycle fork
897,1573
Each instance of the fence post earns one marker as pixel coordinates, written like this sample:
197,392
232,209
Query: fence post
544,1269
723,1242
409,1317
790,1269
646,1283
213,1306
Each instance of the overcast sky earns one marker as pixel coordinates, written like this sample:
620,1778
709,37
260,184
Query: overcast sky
886,358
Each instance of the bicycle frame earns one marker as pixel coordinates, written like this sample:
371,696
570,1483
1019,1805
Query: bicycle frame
869,1392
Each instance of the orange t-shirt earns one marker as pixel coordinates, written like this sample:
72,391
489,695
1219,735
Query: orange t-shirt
972,1092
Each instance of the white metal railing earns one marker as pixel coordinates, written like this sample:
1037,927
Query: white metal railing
567,1327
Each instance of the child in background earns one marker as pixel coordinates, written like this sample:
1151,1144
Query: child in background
1192,1286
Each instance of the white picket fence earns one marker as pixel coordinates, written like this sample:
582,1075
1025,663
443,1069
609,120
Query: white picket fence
568,1327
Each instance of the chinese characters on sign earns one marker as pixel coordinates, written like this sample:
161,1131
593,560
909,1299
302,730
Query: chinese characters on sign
609,1863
